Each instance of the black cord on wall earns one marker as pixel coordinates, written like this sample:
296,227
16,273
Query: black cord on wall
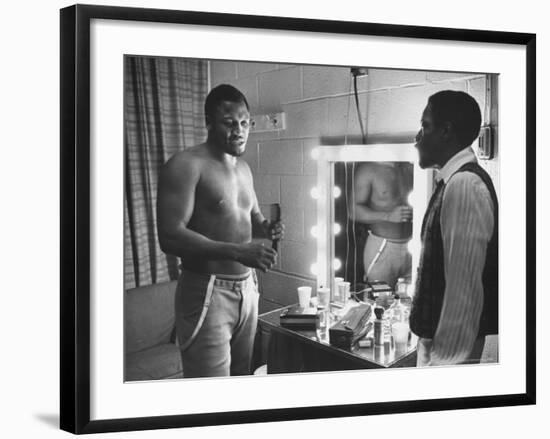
355,73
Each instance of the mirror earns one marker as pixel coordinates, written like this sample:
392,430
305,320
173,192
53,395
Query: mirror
370,214
375,222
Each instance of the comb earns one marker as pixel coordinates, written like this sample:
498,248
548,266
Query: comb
275,215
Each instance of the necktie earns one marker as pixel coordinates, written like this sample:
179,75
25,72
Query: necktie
438,187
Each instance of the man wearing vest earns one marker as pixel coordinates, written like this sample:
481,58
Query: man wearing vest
456,298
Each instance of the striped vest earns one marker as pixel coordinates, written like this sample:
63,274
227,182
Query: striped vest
430,284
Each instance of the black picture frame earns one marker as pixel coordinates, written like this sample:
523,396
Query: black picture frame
75,217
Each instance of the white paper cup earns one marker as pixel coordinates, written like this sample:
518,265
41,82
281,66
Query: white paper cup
323,297
304,296
400,333
343,290
335,284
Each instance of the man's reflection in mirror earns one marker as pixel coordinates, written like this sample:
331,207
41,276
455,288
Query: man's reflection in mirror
379,199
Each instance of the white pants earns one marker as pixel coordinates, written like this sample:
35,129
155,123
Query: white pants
393,262
216,318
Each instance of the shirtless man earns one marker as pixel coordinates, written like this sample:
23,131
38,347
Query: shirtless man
380,200
207,215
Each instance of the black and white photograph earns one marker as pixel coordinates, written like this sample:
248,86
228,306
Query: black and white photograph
266,220
294,218
269,219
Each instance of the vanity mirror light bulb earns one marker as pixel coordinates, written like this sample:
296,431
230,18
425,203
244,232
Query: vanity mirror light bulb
314,193
314,153
337,228
314,270
337,264
336,192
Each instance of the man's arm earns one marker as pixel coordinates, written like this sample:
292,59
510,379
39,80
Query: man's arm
362,190
175,202
466,227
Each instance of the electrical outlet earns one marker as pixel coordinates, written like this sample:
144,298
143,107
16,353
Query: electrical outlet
485,150
268,122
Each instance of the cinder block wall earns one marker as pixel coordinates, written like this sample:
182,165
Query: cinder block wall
320,109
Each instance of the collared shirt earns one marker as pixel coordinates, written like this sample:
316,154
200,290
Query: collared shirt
467,221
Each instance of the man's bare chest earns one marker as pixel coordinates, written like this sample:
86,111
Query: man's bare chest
224,193
392,185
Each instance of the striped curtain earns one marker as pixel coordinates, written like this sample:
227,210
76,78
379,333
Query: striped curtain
163,114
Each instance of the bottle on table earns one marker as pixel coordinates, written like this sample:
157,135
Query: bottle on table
400,323
379,326
401,287
398,311
323,304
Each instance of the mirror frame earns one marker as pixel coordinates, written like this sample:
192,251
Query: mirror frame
326,156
